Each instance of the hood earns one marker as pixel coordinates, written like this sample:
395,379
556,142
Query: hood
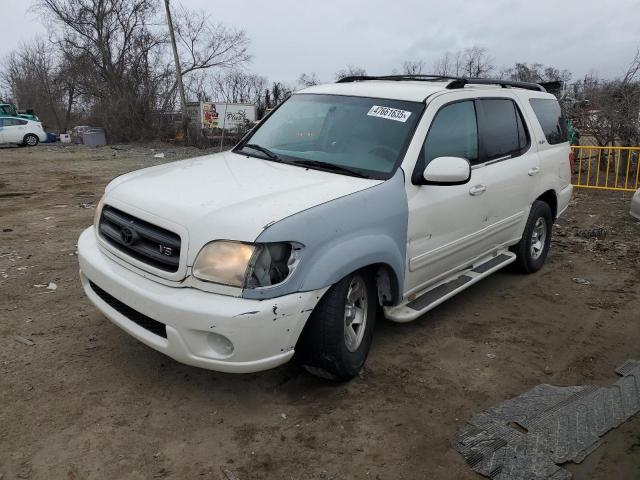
226,195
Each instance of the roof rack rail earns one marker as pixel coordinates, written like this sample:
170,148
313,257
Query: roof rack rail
423,78
461,82
454,82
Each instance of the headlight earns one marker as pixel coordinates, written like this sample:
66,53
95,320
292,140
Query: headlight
246,265
96,215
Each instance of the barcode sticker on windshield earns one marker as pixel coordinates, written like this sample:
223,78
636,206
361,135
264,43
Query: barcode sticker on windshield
389,113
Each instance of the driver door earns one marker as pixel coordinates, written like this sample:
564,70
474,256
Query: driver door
446,222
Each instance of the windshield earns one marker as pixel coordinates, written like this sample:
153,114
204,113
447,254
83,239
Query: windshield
357,134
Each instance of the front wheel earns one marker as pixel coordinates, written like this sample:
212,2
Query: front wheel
31,140
336,340
533,247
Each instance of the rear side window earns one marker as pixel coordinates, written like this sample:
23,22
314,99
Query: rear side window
503,131
550,117
10,122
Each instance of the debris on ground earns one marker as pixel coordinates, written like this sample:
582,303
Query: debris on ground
52,286
597,232
229,475
529,436
24,341
581,281
159,155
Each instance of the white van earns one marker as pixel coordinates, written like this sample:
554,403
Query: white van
372,196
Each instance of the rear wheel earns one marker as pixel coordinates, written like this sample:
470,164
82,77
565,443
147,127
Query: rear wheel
533,247
336,340
31,140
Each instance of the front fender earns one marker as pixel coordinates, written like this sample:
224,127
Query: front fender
344,256
344,235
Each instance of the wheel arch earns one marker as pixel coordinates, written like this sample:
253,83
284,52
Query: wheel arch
550,198
27,135
387,283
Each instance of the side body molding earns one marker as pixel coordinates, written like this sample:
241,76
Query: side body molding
343,235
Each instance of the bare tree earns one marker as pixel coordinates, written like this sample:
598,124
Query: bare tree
32,78
112,51
112,59
350,71
473,62
413,67
204,44
308,79
535,72
609,110
236,86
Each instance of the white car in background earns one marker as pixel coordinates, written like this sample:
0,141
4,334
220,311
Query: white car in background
635,205
21,131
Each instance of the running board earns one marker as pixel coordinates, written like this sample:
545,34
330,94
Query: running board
437,294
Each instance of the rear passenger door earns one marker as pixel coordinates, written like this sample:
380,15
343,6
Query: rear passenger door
510,168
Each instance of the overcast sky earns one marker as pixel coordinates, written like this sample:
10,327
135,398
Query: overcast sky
294,36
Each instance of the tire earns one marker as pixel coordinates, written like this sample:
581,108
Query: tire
333,344
31,140
533,248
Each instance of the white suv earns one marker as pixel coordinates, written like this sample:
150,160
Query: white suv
394,192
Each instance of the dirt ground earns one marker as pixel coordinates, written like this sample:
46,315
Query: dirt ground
87,401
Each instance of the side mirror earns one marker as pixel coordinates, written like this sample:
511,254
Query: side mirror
447,171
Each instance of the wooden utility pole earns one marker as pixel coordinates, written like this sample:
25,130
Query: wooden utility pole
176,58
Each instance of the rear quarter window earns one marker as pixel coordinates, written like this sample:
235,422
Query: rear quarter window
550,117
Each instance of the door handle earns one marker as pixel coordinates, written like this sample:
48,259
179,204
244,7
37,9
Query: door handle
534,171
477,190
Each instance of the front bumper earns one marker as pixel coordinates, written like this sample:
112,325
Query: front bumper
263,333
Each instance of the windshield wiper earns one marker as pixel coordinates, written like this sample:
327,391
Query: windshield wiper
329,166
260,148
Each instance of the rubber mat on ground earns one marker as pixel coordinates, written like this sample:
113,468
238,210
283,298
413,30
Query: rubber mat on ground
529,436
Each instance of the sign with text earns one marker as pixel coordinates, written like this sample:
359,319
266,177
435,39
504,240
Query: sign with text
229,116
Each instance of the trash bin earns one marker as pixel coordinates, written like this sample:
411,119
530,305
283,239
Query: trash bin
94,137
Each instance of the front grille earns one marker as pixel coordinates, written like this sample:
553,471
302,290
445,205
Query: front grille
136,317
141,240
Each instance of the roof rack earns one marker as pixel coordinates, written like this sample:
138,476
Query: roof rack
423,78
454,82
461,82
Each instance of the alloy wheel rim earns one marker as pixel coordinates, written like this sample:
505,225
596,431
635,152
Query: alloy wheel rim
31,141
355,313
538,238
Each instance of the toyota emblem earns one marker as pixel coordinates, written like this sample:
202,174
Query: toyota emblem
127,235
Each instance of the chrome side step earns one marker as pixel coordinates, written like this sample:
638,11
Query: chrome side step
442,291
